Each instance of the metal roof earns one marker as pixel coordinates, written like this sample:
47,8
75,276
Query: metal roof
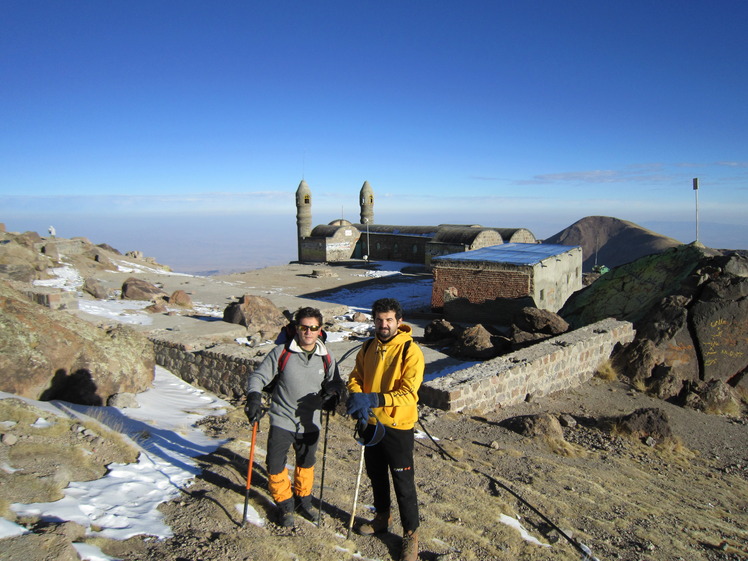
510,253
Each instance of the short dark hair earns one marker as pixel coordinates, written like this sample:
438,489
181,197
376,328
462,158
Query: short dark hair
307,312
384,305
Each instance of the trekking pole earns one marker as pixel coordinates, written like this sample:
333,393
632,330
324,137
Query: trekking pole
322,478
249,470
355,494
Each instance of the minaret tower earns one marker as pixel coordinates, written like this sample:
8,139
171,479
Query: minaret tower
303,213
366,198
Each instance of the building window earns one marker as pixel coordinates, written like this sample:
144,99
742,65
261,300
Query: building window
307,199
379,245
542,294
415,249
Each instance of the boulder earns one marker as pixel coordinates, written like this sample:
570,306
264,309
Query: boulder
109,248
123,400
663,355
96,288
544,425
718,396
39,547
646,423
360,317
714,396
158,307
49,354
100,256
29,239
22,272
531,325
475,342
21,261
535,320
521,339
71,530
180,298
665,383
438,330
257,314
138,289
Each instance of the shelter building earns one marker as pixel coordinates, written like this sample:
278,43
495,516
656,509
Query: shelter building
545,273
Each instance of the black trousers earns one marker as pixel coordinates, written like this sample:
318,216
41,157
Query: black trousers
393,456
280,440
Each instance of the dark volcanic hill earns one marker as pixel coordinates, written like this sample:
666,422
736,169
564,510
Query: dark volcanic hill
615,241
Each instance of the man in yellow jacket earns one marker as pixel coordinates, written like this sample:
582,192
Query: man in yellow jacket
383,390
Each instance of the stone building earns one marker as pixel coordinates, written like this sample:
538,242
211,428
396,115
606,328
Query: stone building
547,274
341,240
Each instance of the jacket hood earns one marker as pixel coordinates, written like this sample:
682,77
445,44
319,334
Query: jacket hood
404,332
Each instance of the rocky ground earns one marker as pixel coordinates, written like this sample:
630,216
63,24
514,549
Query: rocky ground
682,498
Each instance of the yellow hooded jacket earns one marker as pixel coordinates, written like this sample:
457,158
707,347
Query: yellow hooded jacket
381,368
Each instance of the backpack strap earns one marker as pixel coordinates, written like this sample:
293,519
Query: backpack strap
286,354
283,359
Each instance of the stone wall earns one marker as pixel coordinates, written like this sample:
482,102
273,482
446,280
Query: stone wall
219,368
557,364
53,298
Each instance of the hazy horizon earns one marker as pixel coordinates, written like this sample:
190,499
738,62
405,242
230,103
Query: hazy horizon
228,243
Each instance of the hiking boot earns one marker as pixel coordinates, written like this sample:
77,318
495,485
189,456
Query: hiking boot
305,509
410,546
286,513
380,524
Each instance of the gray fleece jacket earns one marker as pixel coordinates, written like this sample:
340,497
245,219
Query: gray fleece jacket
295,403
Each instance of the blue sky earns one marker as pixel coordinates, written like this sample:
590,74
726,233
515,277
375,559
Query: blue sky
183,128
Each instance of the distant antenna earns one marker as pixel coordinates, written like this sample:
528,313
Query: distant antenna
696,192
597,246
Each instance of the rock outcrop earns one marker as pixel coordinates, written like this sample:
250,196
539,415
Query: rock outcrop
689,306
54,355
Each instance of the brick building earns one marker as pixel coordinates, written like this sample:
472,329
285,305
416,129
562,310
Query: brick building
547,274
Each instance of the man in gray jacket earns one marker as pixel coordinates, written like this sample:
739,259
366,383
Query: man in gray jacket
304,378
